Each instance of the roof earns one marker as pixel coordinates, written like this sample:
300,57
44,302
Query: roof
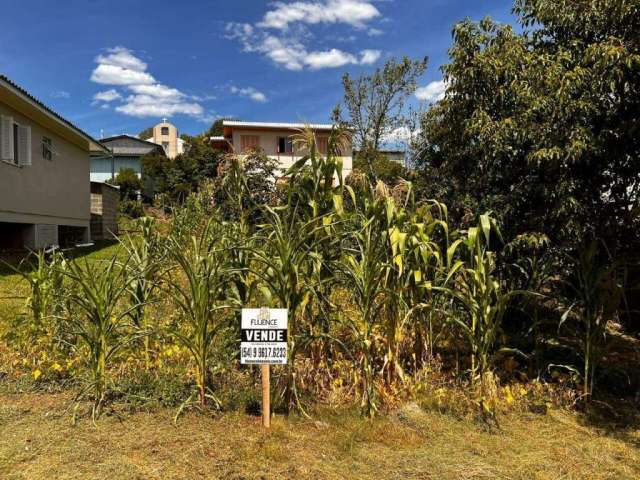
127,145
47,110
105,184
124,135
275,125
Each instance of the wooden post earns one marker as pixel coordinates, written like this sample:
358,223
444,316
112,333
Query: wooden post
266,396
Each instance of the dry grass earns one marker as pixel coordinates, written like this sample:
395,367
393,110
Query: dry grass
39,441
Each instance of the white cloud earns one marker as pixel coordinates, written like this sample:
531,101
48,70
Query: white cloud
352,12
116,75
337,58
433,92
250,92
147,97
122,57
290,52
399,135
149,106
367,57
288,47
60,94
107,96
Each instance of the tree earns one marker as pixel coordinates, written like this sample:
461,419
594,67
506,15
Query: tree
129,183
543,127
388,171
183,174
146,133
375,103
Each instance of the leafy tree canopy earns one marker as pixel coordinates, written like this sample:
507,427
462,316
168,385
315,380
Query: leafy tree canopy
543,127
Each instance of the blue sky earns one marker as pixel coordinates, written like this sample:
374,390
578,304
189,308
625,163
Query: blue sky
118,66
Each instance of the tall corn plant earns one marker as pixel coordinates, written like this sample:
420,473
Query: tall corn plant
97,316
363,269
480,296
596,291
282,257
315,193
145,259
197,287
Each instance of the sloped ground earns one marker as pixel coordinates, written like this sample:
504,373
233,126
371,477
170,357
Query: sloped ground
38,440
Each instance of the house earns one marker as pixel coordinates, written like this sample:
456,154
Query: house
275,140
44,173
125,152
166,135
398,156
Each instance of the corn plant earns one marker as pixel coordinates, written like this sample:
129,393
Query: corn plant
596,292
145,260
97,316
364,271
198,291
481,297
282,257
42,272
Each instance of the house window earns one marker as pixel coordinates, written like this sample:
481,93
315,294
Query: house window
16,144
285,145
165,145
323,145
248,142
164,130
47,148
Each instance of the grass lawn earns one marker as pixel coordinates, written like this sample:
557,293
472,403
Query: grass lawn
14,290
39,441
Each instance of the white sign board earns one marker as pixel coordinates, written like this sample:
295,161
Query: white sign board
264,336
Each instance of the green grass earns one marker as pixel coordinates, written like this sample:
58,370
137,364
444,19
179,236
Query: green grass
39,441
14,290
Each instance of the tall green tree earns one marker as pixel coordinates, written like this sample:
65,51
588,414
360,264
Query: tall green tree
543,127
375,104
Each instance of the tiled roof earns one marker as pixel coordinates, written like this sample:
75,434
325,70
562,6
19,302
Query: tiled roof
47,109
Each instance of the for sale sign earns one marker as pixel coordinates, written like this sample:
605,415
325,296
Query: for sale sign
264,336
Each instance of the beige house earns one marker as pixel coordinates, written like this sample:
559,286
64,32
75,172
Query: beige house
166,135
44,174
275,140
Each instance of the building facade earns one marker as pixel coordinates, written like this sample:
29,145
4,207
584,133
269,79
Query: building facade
125,152
166,135
275,140
44,174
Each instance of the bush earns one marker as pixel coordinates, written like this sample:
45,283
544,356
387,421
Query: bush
131,208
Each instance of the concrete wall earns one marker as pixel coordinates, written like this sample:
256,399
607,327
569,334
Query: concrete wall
269,144
104,211
48,192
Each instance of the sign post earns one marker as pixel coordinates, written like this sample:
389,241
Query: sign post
264,343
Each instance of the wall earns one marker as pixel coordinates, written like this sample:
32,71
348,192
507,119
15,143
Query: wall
104,211
172,138
51,192
101,167
269,143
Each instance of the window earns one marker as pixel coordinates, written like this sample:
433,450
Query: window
47,148
165,145
248,142
16,144
323,145
285,145
164,131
